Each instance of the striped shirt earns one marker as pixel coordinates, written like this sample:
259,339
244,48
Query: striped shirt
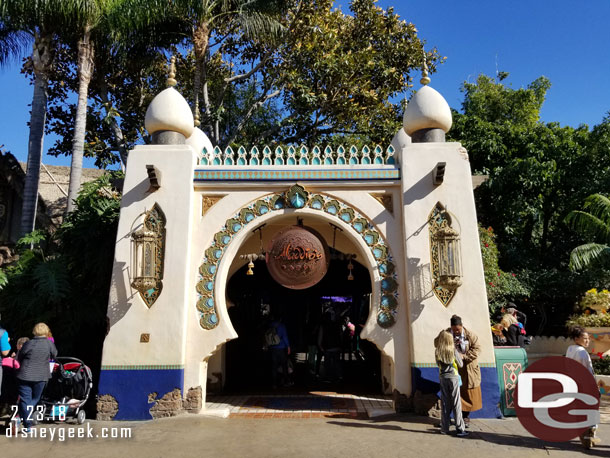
34,357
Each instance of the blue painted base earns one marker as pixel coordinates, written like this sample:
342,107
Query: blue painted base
131,388
426,380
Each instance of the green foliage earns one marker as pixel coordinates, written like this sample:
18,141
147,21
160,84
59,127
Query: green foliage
537,174
493,102
593,320
68,286
593,223
3,279
332,77
502,287
601,366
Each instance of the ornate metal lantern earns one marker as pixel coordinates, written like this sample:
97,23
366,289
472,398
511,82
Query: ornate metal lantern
447,242
148,252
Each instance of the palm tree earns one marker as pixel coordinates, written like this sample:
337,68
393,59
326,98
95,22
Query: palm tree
252,17
87,15
113,27
25,22
593,223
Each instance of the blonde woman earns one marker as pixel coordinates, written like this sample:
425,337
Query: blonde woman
449,361
34,372
512,331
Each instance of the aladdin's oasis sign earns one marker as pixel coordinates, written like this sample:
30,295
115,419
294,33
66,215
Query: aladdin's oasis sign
297,257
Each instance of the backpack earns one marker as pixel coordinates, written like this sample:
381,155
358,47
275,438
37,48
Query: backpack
271,337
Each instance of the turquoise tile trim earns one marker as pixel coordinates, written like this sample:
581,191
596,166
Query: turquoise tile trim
421,365
230,174
148,367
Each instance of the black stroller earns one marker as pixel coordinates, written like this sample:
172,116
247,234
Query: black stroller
67,391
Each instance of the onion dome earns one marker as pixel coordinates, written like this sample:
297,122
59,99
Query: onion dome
169,111
427,110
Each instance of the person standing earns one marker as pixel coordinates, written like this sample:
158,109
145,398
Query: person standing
467,344
329,342
279,353
5,349
578,352
449,361
34,372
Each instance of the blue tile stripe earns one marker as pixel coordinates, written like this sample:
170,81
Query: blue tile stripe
131,388
291,175
426,380
434,365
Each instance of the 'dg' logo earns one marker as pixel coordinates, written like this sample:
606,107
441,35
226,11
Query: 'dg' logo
557,399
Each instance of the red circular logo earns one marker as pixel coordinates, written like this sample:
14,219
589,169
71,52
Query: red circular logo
557,399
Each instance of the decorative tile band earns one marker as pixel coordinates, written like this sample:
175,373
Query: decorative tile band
297,197
422,365
148,367
300,155
308,174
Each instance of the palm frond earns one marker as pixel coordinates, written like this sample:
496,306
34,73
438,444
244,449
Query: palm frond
588,225
589,254
599,205
14,44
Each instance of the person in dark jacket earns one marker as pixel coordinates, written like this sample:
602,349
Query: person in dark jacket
34,372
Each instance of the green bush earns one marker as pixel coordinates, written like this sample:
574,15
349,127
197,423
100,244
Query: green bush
593,320
502,287
601,366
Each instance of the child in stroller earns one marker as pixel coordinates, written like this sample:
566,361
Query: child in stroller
67,391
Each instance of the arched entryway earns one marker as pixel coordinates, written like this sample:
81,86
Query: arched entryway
251,299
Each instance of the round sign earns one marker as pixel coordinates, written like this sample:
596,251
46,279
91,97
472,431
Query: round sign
297,257
557,399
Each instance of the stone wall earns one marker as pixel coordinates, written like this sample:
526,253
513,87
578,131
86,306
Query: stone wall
172,404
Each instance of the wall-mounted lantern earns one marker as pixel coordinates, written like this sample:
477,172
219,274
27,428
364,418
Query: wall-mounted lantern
148,246
445,257
447,242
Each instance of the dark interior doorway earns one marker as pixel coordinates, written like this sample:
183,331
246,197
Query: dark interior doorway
256,297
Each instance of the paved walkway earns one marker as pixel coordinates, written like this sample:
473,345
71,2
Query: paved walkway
316,404
338,435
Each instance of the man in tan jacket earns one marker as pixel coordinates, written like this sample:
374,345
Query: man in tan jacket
467,343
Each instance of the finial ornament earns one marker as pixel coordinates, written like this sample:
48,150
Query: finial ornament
197,120
425,79
171,81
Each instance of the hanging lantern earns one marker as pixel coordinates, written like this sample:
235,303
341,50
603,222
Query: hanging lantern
447,242
147,248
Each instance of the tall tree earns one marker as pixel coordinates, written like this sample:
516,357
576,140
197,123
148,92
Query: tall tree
537,174
26,22
223,18
111,27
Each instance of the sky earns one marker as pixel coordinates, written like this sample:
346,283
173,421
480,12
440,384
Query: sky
567,41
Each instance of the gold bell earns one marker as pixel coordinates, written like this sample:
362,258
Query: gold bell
250,267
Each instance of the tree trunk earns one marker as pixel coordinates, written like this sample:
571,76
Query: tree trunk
85,70
201,38
41,60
